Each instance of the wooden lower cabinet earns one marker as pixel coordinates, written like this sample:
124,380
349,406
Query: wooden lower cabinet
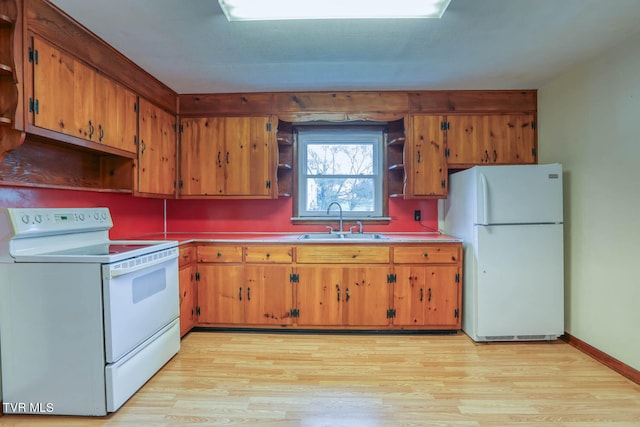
245,286
268,295
220,294
315,287
426,296
339,295
187,288
187,299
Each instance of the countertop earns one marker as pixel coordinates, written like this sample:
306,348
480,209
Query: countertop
274,237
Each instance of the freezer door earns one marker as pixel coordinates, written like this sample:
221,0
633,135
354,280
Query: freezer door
520,281
519,194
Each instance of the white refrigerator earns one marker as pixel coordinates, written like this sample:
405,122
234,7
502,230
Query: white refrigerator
511,223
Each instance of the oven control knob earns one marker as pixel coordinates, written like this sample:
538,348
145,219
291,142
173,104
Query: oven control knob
25,219
81,216
103,215
38,218
96,216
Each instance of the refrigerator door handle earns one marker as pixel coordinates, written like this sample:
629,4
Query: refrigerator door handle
484,220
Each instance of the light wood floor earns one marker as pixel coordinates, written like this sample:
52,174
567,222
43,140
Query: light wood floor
372,380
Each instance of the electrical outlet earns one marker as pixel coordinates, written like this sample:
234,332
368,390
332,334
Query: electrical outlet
417,215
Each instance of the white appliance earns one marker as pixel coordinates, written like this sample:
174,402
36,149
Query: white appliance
511,223
84,321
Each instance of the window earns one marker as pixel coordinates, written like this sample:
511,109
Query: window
342,164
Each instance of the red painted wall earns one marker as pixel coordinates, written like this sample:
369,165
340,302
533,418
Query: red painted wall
132,216
274,215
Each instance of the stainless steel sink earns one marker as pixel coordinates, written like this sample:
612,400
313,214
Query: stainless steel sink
343,236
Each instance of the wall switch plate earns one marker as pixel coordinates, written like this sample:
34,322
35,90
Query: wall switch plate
417,215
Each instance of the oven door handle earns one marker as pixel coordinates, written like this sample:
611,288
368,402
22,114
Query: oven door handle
121,268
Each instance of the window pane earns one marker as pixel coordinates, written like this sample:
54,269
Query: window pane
354,194
340,159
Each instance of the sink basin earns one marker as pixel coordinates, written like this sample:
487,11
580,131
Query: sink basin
343,236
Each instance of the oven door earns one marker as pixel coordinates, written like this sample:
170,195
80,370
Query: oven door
141,297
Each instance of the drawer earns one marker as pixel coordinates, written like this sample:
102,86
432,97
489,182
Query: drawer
436,254
339,254
220,253
187,255
275,254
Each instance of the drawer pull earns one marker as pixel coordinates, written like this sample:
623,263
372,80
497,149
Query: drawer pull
219,254
425,254
268,254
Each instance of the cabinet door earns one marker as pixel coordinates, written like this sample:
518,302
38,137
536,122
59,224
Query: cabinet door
249,163
467,140
221,294
366,295
320,293
187,299
268,295
85,124
428,172
441,296
156,151
202,155
512,139
426,296
490,139
409,296
53,74
115,115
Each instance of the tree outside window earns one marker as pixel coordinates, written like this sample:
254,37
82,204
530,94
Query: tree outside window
342,164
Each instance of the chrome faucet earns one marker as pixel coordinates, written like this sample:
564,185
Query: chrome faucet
340,207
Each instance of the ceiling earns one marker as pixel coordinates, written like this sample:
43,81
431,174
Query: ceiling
490,44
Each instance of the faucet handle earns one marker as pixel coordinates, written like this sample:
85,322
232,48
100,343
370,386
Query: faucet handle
331,230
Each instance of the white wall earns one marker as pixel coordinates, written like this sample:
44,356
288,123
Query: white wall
589,120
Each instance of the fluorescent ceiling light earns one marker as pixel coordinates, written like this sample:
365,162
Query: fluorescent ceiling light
260,10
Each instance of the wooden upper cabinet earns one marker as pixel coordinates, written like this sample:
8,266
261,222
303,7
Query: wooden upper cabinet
228,157
156,167
72,98
490,139
116,115
53,75
425,158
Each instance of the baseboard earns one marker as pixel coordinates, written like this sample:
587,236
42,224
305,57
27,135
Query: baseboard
602,357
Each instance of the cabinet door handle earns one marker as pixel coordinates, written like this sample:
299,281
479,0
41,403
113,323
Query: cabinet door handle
100,133
338,291
346,291
219,159
248,294
495,156
486,156
142,147
419,157
421,294
91,129
240,294
429,295
226,157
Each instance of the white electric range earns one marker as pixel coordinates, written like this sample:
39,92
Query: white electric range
84,321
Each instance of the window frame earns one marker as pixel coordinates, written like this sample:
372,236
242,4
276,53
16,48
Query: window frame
357,135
